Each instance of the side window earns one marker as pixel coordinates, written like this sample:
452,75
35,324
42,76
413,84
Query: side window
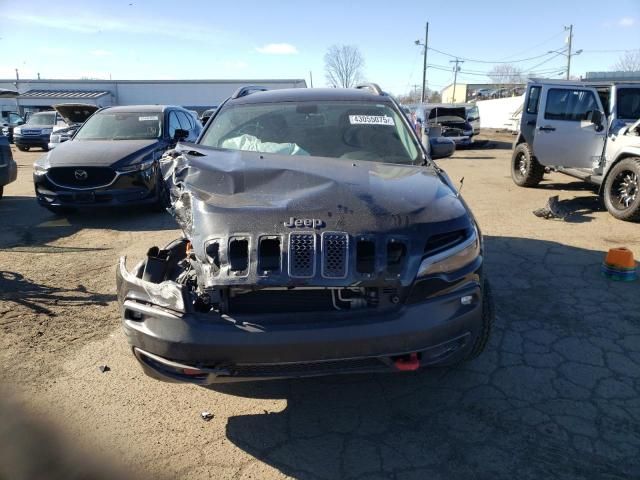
534,99
628,103
184,121
174,124
570,105
14,118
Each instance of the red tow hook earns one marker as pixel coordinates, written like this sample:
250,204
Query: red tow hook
407,363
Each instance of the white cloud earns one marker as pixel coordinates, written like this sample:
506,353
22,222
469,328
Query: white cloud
101,53
278,49
627,22
88,24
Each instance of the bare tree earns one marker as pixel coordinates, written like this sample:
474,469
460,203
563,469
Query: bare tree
629,62
343,66
506,73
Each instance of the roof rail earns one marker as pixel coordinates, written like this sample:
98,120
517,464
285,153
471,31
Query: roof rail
248,90
374,87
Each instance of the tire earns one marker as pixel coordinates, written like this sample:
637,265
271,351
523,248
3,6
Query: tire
22,148
45,149
622,190
488,317
525,169
1,191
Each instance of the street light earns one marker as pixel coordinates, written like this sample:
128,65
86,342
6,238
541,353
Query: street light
567,54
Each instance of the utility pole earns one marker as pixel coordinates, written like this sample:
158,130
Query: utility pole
570,28
455,77
415,88
311,77
424,66
17,90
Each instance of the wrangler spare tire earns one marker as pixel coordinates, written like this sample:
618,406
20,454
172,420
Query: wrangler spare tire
621,190
525,169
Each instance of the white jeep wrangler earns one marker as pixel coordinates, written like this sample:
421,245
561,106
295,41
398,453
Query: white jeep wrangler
586,130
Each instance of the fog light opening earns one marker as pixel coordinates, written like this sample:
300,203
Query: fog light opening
466,300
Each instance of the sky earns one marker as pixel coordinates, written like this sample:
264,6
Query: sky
162,39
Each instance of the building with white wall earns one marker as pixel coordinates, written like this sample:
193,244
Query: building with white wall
193,94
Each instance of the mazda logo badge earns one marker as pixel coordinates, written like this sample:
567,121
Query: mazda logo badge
81,174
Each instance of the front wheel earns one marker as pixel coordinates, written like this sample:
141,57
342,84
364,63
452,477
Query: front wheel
22,148
621,190
525,169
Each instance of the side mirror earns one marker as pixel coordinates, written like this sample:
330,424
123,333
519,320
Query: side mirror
597,118
441,147
180,134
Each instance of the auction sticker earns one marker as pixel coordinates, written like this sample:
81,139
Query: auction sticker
146,119
370,120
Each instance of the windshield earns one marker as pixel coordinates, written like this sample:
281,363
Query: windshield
350,130
628,100
41,119
122,126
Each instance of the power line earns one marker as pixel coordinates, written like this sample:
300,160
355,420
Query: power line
487,61
557,34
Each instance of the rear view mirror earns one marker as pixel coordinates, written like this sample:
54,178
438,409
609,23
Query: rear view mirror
441,147
180,134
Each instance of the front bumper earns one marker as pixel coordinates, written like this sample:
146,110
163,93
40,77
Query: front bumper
127,189
204,348
462,140
41,141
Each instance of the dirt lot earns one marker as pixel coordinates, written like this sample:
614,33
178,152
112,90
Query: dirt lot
555,395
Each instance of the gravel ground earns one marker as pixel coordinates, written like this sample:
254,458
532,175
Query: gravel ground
555,395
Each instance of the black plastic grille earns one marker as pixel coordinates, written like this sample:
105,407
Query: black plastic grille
81,177
335,248
311,368
302,250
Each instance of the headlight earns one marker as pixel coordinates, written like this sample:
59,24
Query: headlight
46,131
40,167
17,131
452,259
137,167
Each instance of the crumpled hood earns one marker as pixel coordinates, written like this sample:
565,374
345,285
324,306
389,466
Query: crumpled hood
101,153
220,193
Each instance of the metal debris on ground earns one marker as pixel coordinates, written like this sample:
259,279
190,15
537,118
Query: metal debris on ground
104,368
552,209
206,416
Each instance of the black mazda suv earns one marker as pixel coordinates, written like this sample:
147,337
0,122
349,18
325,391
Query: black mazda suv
318,238
112,160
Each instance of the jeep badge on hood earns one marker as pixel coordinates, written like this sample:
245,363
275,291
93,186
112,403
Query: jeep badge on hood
304,222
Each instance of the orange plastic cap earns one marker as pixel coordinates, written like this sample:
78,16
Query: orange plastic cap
620,257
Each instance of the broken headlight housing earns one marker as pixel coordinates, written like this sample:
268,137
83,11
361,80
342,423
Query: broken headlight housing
137,167
452,259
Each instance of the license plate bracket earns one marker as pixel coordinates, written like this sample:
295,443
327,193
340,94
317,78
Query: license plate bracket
84,197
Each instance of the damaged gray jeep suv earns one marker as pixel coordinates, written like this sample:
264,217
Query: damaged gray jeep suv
319,238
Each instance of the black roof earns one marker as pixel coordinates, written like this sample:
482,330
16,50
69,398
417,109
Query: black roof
310,95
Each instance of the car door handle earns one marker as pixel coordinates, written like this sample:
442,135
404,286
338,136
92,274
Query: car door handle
547,129
531,123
